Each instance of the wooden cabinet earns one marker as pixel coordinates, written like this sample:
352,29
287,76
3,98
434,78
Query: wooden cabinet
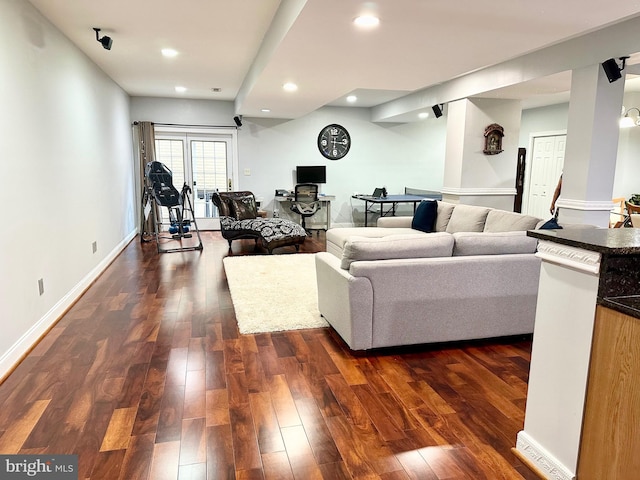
610,439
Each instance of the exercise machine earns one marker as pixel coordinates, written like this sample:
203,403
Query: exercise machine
159,194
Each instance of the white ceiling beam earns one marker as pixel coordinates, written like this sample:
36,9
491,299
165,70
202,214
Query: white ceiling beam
615,41
283,19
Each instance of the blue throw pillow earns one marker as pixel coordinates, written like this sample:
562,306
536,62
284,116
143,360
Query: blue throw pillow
425,217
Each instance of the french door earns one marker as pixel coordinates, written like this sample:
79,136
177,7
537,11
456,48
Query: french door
203,160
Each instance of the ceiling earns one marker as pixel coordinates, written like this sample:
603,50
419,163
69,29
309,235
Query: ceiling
249,48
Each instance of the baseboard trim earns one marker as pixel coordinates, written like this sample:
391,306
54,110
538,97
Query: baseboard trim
28,341
527,463
540,461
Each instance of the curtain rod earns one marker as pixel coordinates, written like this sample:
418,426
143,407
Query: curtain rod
189,126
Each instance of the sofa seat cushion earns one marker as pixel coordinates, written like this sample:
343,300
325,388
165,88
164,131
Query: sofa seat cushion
467,218
337,237
503,221
396,246
496,243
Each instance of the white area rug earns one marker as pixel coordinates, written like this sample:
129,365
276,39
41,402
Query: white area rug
272,293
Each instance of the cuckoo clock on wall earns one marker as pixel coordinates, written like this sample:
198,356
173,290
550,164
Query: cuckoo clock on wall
493,139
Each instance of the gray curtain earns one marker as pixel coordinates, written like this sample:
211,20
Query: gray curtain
146,153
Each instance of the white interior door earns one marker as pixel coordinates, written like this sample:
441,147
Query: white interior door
545,168
203,161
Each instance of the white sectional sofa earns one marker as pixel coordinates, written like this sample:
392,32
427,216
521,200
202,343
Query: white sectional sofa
475,276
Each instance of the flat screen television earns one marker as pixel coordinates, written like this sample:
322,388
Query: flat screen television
311,174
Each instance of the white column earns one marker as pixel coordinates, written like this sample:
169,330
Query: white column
470,176
592,146
560,355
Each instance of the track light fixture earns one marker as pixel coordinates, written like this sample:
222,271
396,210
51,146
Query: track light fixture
612,69
629,121
105,41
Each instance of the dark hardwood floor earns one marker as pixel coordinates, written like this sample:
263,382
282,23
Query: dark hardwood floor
147,377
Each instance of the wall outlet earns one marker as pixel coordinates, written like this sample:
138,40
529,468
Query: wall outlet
94,247
247,172
41,286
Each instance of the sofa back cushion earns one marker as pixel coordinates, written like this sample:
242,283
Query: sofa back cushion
396,246
496,243
444,215
503,221
467,218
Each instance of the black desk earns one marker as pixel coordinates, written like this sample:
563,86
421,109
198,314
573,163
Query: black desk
325,202
393,200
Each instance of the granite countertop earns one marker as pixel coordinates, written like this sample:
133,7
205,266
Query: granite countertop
629,304
616,241
617,285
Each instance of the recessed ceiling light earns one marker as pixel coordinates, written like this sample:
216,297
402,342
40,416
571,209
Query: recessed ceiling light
169,52
265,110
366,21
180,89
352,98
290,87
423,115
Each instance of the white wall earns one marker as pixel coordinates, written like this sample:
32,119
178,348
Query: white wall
627,179
554,118
471,176
391,155
67,174
544,119
182,111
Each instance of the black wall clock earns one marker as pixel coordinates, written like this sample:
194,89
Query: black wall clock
334,141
